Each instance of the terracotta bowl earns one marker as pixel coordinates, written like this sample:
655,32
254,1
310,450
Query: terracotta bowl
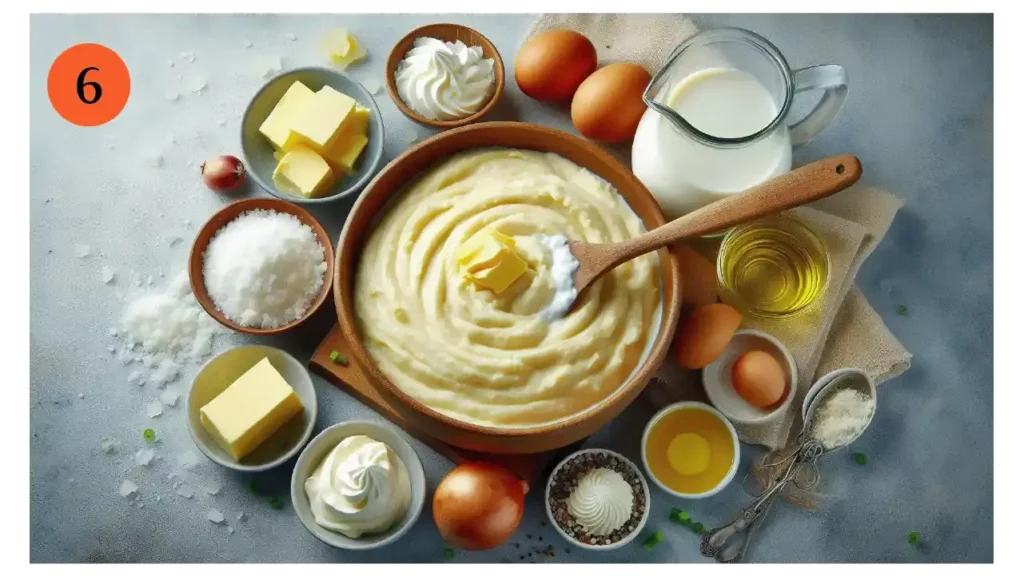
229,213
391,181
448,33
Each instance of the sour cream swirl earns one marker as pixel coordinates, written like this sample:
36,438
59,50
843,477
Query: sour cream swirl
601,502
445,80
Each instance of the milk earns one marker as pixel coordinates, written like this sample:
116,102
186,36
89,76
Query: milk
685,174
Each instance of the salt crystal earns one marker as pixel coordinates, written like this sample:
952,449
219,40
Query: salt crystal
215,516
271,67
108,274
372,86
281,260
157,497
213,488
144,457
128,489
184,56
136,377
108,445
154,160
231,529
184,491
172,475
174,96
170,396
221,122
82,250
188,460
71,480
188,222
166,371
112,332
176,240
240,516
290,36
247,44
81,396
149,280
191,59
197,84
140,505
170,63
111,349
154,409
171,139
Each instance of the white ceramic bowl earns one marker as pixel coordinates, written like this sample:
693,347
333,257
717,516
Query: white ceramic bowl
721,417
321,446
717,378
602,547
220,372
842,378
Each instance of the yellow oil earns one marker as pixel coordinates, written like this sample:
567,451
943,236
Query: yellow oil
772,268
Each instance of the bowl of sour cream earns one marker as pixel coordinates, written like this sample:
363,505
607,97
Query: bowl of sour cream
445,75
358,485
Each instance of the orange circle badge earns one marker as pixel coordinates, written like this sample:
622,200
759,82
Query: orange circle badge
88,84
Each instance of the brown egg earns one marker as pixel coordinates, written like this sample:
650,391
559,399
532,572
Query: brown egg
704,334
700,278
759,379
610,102
551,65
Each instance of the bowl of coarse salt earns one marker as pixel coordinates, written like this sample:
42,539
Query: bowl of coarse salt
839,407
261,266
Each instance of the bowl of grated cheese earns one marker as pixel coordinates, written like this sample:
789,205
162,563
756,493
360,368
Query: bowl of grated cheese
261,266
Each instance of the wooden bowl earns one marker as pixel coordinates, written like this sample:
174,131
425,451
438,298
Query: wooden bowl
392,180
448,33
229,213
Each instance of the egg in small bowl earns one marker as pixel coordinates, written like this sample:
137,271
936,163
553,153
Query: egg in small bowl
690,450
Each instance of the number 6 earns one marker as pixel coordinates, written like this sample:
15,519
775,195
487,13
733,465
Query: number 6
97,90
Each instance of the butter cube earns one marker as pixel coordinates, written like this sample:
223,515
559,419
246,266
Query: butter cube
491,261
322,120
250,410
343,154
293,104
303,172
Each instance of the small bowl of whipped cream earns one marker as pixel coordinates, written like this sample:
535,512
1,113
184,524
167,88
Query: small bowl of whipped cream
597,499
358,485
445,75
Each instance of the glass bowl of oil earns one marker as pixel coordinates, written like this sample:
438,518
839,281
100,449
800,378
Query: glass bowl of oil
773,268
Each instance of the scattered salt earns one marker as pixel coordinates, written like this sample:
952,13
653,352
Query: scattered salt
264,268
111,349
221,122
372,86
197,84
290,36
240,516
81,396
154,160
112,332
136,377
108,275
188,460
71,480
170,63
231,529
108,445
272,67
215,516
154,409
188,223
157,497
184,56
171,139
144,457
170,396
213,488
184,491
140,504
247,44
128,489
83,250
176,240
173,96
149,280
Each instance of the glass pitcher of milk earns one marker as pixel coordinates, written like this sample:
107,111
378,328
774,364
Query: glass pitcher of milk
718,118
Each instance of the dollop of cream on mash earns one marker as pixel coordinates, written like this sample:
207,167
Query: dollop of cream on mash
494,359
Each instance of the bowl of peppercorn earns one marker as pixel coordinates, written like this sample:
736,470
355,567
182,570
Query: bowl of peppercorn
597,499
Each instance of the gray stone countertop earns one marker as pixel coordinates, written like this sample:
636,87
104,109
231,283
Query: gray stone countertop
919,116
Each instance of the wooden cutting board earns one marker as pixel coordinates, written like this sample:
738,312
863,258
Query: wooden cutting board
530,467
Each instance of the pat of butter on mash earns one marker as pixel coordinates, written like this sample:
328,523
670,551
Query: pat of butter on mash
489,259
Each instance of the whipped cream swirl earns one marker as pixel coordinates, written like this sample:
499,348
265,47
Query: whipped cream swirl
444,80
361,487
602,501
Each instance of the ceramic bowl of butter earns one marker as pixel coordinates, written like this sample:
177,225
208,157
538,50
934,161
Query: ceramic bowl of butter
251,408
445,274
312,135
358,485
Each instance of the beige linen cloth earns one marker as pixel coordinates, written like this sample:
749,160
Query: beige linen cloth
842,330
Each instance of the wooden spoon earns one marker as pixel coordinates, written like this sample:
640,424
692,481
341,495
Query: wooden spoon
805,184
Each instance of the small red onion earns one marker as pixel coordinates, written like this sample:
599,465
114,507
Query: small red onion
223,173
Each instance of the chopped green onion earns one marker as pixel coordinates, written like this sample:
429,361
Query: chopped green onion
680,517
149,435
697,528
860,458
914,538
653,540
901,310
338,358
276,502
448,553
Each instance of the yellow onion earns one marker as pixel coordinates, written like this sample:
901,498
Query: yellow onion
478,506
